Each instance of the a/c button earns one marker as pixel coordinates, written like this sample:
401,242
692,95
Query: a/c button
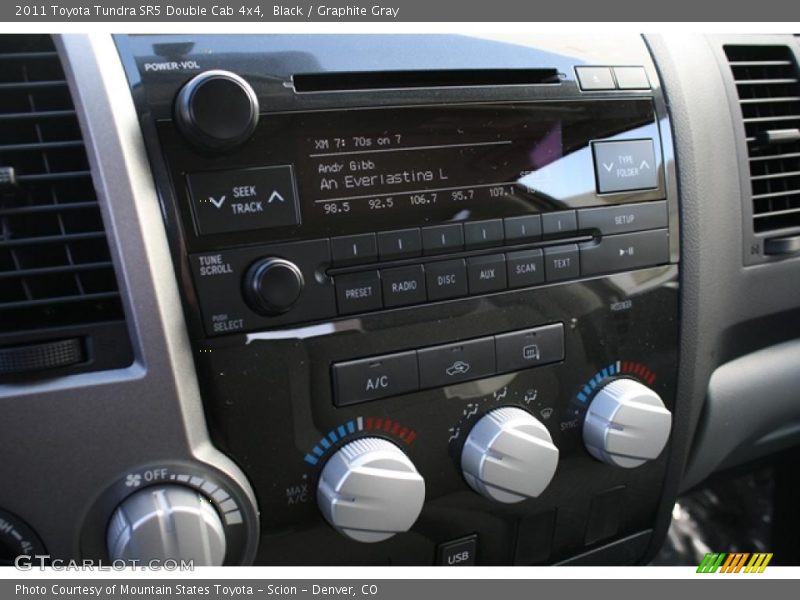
377,377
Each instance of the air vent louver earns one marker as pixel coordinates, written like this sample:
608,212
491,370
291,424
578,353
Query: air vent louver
766,80
55,267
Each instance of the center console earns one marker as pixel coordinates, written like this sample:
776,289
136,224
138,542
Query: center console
431,285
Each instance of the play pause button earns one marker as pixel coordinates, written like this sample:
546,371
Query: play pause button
625,251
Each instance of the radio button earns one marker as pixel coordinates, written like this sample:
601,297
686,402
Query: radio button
399,244
487,273
377,377
442,238
520,350
525,268
403,286
243,199
610,220
527,228
481,234
446,279
358,292
354,249
625,252
447,365
559,223
625,166
561,262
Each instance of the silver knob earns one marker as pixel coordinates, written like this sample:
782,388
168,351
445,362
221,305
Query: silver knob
166,522
509,456
627,424
369,490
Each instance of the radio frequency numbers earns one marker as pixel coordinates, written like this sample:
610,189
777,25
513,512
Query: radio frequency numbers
336,208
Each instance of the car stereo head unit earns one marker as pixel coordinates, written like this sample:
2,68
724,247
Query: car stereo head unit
431,284
372,186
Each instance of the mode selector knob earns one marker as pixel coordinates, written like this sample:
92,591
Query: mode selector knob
370,490
509,456
216,110
626,424
166,522
273,285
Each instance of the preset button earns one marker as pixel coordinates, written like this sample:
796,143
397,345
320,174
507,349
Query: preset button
358,292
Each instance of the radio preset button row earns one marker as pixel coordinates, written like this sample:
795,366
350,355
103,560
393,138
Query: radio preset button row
388,375
448,279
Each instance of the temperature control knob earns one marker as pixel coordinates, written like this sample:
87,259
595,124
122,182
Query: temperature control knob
166,522
509,456
626,424
216,110
369,490
273,285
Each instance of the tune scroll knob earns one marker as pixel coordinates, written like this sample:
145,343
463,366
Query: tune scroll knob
166,522
216,110
369,490
273,285
626,424
509,456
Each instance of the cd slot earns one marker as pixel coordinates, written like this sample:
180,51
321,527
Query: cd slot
376,80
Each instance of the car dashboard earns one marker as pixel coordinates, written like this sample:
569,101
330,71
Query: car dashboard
390,299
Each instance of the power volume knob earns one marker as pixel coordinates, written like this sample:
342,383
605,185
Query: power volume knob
216,110
370,490
509,456
273,285
166,522
626,424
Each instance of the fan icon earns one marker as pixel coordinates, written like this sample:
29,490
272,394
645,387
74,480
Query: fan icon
133,480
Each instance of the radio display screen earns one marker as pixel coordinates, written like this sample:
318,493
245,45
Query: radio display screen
420,164
359,170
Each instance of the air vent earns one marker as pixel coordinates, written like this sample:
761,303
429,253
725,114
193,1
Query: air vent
55,266
766,80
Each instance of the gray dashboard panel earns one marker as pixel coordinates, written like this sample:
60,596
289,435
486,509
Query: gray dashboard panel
720,296
66,440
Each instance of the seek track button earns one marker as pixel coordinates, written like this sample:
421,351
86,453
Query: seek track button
244,199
